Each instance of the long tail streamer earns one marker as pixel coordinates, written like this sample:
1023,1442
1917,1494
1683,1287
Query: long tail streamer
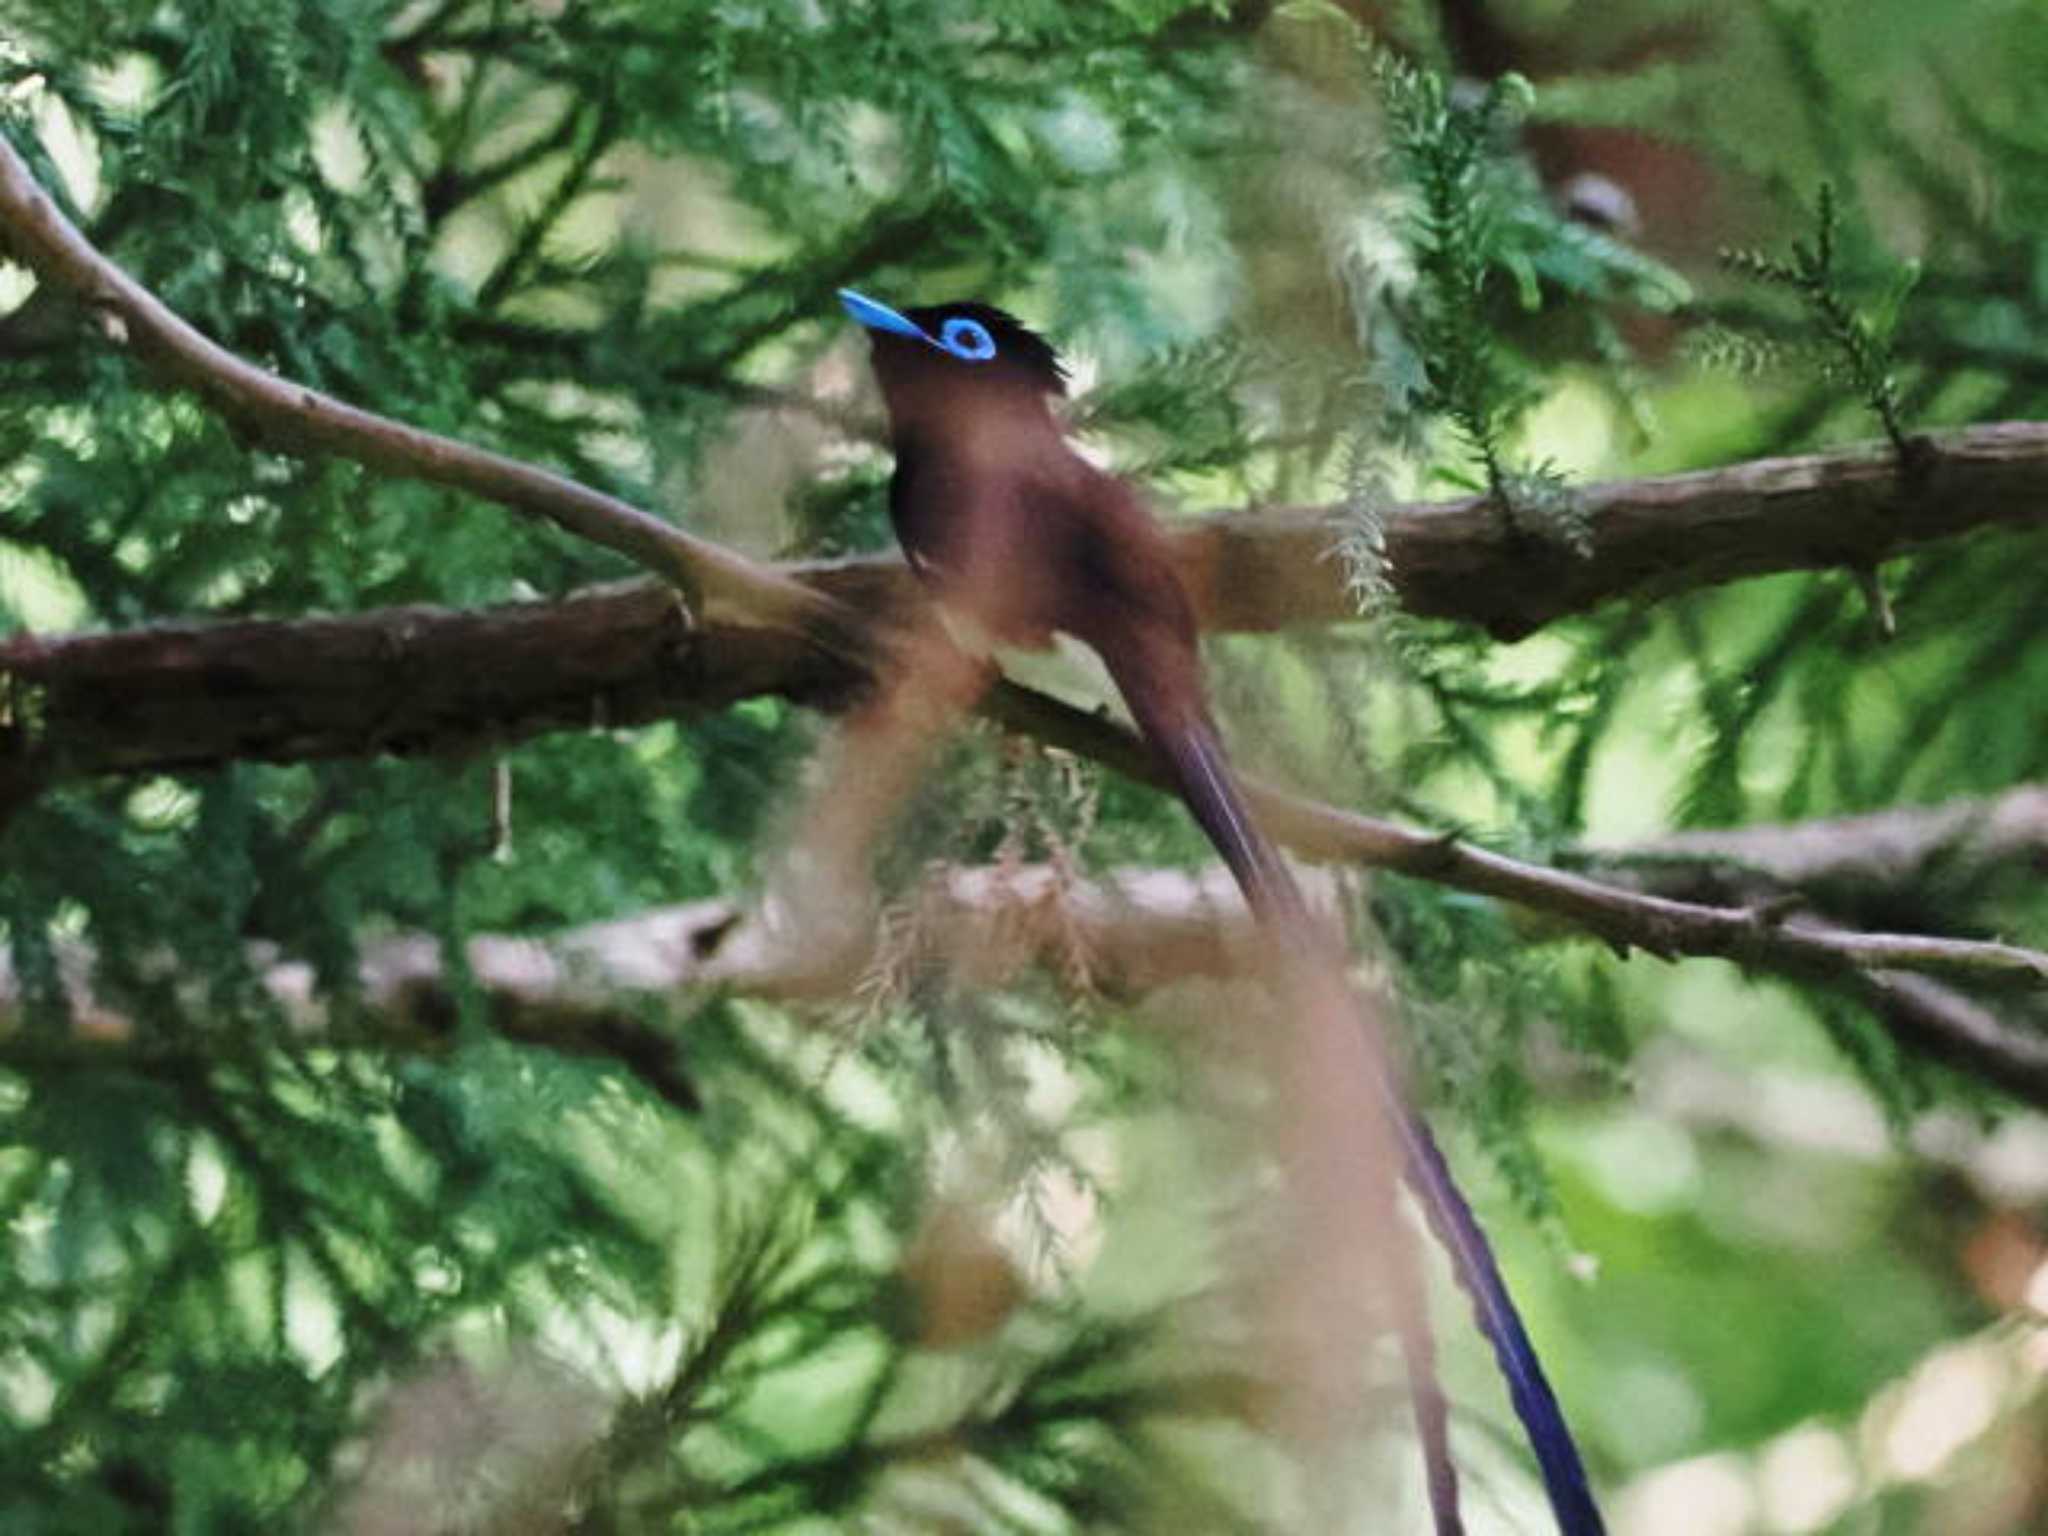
1202,773
1451,1220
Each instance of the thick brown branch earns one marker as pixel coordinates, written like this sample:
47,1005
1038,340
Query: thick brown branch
200,695
401,680
1457,560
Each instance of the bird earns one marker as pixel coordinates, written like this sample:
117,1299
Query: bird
1020,539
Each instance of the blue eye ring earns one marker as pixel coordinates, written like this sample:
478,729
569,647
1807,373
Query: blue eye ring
967,339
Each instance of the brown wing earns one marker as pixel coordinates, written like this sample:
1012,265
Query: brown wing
1110,574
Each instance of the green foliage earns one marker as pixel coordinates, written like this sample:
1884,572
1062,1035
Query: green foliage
1862,343
251,1224
1491,250
1453,153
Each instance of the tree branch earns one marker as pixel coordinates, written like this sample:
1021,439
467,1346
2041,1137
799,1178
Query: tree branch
718,582
1649,538
1889,851
1124,936
1129,934
195,695
401,680
1759,937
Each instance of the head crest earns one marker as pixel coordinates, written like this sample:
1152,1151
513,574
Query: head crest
1015,342
967,330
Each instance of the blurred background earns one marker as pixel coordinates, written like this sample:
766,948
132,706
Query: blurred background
398,1131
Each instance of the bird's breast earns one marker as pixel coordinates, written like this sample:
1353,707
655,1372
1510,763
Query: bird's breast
964,627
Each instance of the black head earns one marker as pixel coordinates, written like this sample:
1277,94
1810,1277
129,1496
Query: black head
962,343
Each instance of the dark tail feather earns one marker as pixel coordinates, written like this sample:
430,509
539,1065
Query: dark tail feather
1202,774
1451,1219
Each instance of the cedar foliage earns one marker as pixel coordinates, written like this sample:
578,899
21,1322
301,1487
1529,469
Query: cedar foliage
234,1258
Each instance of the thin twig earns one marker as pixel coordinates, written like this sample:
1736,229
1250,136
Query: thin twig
1944,1025
715,580
1889,851
1625,919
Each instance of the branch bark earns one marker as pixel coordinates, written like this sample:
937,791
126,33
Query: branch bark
398,680
199,695
1649,538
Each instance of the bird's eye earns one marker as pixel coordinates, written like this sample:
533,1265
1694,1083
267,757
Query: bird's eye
969,339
